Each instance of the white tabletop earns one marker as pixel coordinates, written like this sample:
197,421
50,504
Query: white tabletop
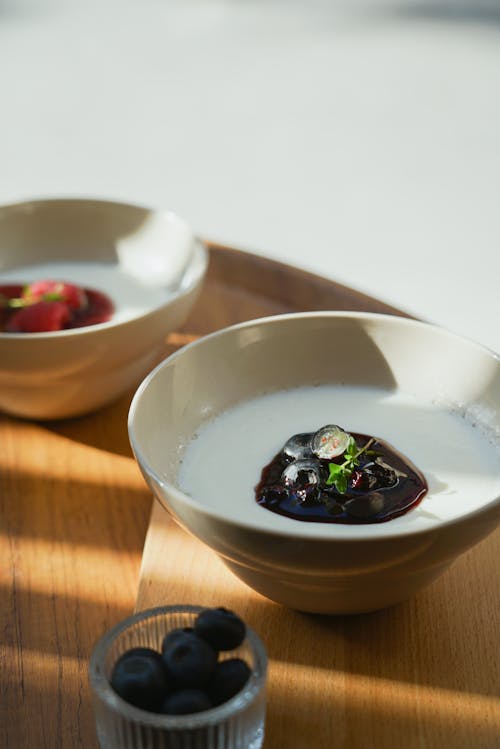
356,139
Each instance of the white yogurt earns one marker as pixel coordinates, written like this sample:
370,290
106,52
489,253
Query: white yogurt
222,464
131,296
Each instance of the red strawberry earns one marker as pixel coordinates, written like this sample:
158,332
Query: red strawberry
41,317
55,291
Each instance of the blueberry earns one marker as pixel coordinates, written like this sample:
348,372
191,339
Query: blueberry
223,629
360,481
273,496
229,678
189,661
186,701
329,442
272,472
366,506
299,446
302,479
331,504
139,677
380,475
172,636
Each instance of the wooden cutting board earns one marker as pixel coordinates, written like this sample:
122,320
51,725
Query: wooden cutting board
421,675
74,513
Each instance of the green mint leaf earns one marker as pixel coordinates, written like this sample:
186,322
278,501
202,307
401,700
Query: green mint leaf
341,483
341,473
351,449
335,470
338,477
52,296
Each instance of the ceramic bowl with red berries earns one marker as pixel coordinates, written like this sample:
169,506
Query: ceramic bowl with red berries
89,289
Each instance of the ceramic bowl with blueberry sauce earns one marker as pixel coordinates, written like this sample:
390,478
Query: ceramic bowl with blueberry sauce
180,676
337,462
89,289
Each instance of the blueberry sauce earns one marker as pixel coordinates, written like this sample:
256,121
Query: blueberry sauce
332,476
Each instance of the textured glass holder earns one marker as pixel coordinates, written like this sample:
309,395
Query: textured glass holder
237,724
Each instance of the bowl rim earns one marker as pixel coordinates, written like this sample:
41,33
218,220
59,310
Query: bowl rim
297,532
200,254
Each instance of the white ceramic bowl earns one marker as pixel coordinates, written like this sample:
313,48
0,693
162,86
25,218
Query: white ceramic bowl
319,567
155,266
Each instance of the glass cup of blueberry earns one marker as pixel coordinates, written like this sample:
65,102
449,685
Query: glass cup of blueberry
179,676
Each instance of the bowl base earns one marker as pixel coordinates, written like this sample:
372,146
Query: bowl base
337,594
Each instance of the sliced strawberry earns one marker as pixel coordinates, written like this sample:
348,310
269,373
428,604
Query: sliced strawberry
41,317
55,291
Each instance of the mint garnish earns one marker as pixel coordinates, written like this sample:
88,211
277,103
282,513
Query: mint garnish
340,473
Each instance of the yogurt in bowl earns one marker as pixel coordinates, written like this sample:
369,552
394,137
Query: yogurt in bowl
207,420
222,464
129,295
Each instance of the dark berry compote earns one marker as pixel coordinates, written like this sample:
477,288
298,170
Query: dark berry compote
333,476
46,306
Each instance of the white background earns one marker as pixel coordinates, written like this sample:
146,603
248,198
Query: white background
357,139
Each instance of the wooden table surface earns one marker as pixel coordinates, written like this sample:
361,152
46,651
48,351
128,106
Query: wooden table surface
74,514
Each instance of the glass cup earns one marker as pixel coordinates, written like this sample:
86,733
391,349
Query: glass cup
236,724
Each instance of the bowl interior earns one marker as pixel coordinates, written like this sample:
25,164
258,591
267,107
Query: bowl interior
141,257
384,356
